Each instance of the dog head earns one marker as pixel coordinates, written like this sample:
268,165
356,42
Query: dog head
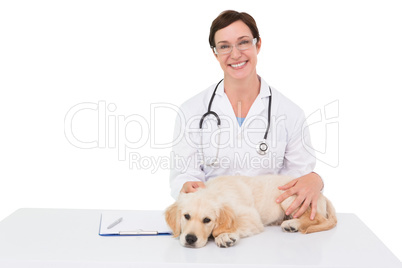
194,217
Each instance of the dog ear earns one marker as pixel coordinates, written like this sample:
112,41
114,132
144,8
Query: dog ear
172,217
226,222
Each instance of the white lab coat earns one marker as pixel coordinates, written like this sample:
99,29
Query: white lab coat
287,139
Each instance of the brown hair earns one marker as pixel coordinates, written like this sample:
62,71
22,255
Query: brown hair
228,17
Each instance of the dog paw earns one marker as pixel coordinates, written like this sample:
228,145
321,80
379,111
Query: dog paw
226,240
291,226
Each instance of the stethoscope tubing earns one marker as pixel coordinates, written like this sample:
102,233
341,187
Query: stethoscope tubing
262,147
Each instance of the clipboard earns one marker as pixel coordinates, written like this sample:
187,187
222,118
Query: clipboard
133,223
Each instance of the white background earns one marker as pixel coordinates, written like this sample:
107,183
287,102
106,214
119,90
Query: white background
57,54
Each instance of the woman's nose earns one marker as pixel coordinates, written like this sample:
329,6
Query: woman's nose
236,53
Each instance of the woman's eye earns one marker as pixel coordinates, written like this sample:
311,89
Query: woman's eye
206,220
187,216
224,47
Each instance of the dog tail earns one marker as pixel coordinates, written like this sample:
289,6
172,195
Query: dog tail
324,223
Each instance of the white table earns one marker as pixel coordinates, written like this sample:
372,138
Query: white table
69,238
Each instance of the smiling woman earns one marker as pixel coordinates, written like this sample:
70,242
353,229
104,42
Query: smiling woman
241,103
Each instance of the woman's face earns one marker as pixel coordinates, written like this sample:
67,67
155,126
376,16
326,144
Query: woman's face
238,64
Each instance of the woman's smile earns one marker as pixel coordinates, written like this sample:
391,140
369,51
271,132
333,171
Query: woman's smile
239,65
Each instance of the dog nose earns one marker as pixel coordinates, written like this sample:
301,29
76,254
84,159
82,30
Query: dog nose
191,239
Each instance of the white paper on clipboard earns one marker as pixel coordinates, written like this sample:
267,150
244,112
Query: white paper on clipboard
135,222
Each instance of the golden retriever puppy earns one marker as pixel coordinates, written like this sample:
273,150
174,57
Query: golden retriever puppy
232,207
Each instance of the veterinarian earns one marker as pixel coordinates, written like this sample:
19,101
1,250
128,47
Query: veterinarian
241,125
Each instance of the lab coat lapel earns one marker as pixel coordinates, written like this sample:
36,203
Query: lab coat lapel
224,106
256,109
260,105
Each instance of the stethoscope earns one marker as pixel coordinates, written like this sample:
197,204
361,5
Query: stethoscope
262,146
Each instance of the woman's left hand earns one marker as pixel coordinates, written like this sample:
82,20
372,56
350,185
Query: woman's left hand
307,189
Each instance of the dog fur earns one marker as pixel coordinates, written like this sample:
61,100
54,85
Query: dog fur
232,207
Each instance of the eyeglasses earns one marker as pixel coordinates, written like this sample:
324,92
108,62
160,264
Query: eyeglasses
226,48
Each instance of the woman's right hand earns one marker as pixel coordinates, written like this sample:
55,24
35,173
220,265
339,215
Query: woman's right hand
192,186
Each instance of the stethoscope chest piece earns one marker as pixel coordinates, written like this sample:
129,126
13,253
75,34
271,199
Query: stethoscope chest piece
262,147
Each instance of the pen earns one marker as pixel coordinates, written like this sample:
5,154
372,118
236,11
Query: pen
115,223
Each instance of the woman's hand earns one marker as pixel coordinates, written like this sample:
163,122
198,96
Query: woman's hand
307,189
191,186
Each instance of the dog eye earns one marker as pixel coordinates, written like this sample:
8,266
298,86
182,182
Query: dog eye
206,220
187,216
